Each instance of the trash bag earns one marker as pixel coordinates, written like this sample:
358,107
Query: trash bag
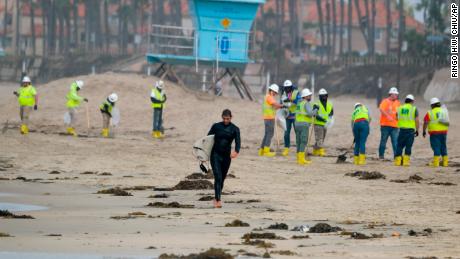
444,116
115,117
281,115
67,118
330,122
203,147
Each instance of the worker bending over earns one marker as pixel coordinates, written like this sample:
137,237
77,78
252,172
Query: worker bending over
360,121
106,110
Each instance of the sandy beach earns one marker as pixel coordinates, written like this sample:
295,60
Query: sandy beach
64,174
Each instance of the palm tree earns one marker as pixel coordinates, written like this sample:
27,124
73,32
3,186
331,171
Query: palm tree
334,27
373,15
368,27
5,22
342,13
75,23
321,25
328,31
32,26
106,34
17,28
389,25
350,23
362,23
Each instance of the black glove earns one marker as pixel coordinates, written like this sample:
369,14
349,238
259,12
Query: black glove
424,133
416,133
315,107
15,93
35,107
319,118
284,106
85,99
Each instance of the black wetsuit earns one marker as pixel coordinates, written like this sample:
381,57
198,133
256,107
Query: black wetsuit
220,155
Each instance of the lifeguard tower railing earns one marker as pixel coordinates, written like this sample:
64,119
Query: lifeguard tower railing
181,46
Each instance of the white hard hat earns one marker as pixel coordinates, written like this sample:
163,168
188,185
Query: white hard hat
26,79
410,97
287,83
393,90
159,84
357,104
113,97
80,83
305,92
274,87
322,91
434,100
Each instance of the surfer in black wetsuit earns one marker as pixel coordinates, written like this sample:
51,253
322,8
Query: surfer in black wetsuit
221,155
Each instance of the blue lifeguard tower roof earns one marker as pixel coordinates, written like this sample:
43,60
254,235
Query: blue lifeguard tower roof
220,35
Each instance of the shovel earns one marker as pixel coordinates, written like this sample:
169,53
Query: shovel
343,157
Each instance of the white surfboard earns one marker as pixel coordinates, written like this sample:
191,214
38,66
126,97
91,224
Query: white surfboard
203,147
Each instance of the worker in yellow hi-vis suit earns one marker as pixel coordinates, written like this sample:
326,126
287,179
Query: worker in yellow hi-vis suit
28,99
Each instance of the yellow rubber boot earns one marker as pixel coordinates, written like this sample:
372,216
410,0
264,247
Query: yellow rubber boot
398,160
356,160
435,162
71,131
285,151
24,130
315,152
301,159
298,157
105,133
160,135
306,159
362,159
321,152
268,153
261,152
406,160
445,161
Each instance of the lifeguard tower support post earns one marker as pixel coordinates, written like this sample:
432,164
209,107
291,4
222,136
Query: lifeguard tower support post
219,38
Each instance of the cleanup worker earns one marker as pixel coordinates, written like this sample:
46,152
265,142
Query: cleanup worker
106,110
225,133
158,99
436,120
73,102
269,107
389,121
323,117
290,98
303,119
408,124
360,121
28,99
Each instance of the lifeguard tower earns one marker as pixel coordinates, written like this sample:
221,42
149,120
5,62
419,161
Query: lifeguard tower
220,38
